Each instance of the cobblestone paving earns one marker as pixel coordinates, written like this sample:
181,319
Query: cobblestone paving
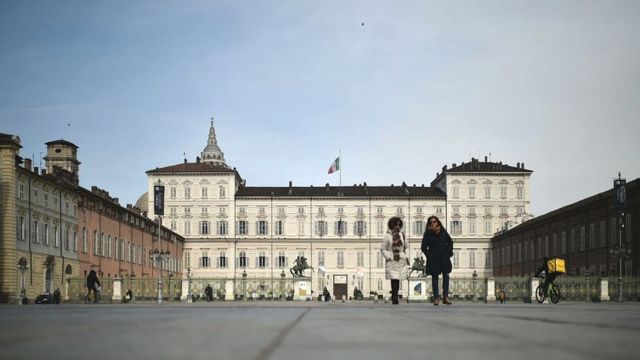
311,330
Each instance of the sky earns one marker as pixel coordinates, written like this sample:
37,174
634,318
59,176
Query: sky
553,84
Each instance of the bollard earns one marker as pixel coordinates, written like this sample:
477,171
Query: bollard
474,286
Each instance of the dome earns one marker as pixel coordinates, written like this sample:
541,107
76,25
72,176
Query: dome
143,202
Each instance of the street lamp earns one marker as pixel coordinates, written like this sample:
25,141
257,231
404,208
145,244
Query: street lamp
189,285
620,252
23,266
160,257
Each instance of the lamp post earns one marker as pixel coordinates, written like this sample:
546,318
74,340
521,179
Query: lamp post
132,279
189,300
244,285
159,256
22,267
620,251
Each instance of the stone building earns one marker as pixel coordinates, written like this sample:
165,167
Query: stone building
232,229
584,233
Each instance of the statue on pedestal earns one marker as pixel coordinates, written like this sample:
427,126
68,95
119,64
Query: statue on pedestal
420,266
300,266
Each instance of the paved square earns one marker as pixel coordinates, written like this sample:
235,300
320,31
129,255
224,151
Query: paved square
311,330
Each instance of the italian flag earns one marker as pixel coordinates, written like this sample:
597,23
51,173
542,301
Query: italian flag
335,166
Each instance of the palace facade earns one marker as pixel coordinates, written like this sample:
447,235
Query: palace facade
231,229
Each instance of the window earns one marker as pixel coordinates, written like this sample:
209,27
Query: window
75,241
519,191
472,191
379,261
360,210
472,258
21,191
172,192
487,192
279,227
262,227
204,227
455,209
627,236
419,227
340,259
34,232
56,237
419,210
380,210
487,259
379,227
603,233
204,259
504,211
242,259
321,228
282,259
582,238
321,257
205,192
340,228
262,260
439,210
399,211
487,226
222,192
46,200
456,191
563,242
360,228
222,260
173,225
456,227
187,227
187,211
187,192
503,191
95,243
592,236
204,210
456,258
360,258
222,228
472,225
20,226
300,227
242,227
572,243
301,210
45,234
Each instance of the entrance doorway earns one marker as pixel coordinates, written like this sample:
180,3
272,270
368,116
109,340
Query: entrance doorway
340,286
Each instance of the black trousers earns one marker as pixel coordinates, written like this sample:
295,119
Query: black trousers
395,287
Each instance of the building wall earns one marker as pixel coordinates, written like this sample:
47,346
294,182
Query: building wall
8,262
582,233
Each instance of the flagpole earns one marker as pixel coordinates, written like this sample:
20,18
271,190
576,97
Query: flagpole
340,162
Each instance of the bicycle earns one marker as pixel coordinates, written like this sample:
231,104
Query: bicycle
553,293
89,297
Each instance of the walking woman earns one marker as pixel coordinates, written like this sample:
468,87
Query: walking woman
393,249
438,248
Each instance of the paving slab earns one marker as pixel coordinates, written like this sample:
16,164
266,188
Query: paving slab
314,330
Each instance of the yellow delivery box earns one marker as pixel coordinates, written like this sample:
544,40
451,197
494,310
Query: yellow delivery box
556,266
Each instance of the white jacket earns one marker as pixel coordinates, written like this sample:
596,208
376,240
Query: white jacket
394,270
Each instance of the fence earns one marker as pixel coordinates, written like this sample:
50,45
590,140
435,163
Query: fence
519,289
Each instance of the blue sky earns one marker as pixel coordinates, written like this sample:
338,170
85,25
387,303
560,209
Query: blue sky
555,85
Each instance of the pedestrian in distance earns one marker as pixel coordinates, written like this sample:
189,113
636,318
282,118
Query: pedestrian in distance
393,249
93,284
209,292
438,248
325,294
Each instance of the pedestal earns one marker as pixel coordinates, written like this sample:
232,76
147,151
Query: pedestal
491,290
117,290
302,289
228,290
184,295
604,290
418,290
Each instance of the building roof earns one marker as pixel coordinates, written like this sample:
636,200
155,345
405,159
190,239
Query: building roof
61,142
631,186
402,191
196,167
477,166
8,138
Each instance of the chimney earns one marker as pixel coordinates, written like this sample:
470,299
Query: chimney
197,159
327,187
36,170
522,166
27,164
43,171
485,159
454,165
518,165
185,160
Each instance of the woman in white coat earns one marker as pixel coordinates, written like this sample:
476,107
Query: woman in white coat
393,249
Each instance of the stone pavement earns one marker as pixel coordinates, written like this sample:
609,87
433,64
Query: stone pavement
312,330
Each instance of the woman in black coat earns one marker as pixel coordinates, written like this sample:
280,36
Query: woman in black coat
438,248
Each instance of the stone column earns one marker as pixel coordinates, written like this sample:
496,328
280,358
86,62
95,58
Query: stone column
604,290
9,287
185,289
533,285
491,290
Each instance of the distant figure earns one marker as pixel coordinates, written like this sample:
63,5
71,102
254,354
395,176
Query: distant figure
128,296
93,284
326,294
503,296
209,292
357,294
56,296
438,247
393,248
